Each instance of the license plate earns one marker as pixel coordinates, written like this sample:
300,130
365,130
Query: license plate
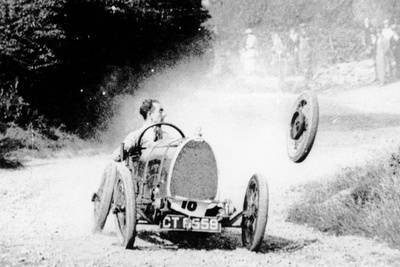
182,223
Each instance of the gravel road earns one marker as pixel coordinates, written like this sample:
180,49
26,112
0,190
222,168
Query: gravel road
46,209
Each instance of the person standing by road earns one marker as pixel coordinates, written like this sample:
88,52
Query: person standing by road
380,58
217,52
277,54
369,38
250,52
305,53
387,35
294,42
395,44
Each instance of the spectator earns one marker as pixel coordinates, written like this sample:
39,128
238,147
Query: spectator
294,42
387,35
369,38
305,53
217,52
250,52
277,53
380,58
369,43
387,31
396,51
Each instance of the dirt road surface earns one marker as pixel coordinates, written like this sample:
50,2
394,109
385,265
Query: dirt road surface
45,219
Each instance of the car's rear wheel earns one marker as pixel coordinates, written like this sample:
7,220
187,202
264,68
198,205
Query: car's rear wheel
303,127
124,208
255,212
102,198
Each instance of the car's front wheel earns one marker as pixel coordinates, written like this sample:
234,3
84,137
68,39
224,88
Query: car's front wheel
255,212
102,198
124,208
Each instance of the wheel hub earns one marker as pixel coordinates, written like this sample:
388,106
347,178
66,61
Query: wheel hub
298,125
118,209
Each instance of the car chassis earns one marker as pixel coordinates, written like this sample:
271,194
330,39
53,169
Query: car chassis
174,185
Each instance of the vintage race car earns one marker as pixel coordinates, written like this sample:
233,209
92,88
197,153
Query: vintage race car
174,185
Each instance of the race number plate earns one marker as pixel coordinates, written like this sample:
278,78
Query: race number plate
181,223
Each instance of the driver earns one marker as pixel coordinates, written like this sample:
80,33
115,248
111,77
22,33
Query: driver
152,112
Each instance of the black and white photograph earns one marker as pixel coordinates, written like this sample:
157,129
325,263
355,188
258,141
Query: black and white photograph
199,133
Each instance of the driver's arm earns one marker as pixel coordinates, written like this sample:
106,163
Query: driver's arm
116,155
129,142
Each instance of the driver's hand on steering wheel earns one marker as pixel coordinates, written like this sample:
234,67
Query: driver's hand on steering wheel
135,153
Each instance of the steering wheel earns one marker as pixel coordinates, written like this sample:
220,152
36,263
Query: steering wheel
155,125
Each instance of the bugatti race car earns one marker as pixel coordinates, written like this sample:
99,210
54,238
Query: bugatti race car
302,127
174,185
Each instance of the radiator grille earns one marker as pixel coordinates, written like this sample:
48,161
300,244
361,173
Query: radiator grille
195,172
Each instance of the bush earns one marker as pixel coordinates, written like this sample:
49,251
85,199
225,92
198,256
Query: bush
16,143
12,105
356,201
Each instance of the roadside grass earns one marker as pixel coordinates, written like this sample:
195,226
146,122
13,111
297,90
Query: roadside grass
16,144
361,200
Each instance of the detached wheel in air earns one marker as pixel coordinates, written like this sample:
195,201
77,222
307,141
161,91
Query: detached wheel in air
255,212
102,198
124,208
302,127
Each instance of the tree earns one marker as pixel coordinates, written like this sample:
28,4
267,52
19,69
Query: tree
27,34
60,51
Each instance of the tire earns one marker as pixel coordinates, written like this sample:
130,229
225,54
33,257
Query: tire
302,127
255,212
124,204
102,198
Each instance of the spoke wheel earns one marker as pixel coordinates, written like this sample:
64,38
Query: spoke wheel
302,127
102,198
124,208
255,212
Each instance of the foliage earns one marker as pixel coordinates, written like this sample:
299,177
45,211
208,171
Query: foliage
27,33
63,62
15,111
16,143
60,51
12,106
376,10
356,201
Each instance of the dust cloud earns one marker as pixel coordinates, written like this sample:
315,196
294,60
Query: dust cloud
242,117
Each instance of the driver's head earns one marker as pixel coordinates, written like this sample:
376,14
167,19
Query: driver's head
152,111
